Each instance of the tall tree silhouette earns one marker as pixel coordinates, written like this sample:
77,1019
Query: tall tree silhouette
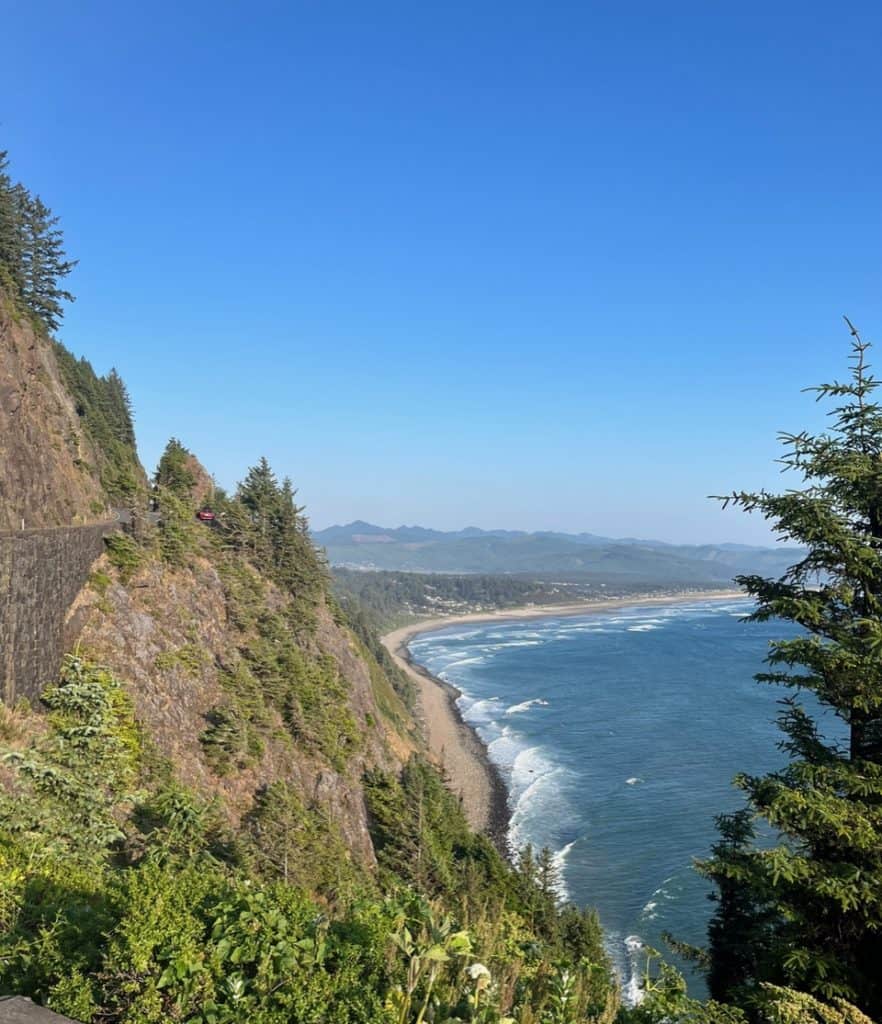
816,896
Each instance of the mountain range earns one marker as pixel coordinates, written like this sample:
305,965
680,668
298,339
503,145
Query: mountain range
363,545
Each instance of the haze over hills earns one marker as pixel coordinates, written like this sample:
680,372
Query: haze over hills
364,545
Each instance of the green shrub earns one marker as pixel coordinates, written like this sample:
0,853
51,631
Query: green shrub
125,555
178,539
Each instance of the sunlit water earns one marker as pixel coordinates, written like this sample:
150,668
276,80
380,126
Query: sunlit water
618,734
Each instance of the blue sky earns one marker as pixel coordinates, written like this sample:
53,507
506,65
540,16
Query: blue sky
532,265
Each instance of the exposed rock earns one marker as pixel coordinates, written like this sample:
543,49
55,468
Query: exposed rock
136,631
47,474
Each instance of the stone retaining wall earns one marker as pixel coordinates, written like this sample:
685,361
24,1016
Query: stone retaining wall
41,572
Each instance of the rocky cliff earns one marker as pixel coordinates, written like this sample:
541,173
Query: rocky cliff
182,643
48,464
244,677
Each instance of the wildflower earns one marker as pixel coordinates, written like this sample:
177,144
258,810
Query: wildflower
481,977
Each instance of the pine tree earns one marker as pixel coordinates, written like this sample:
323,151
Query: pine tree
259,493
297,566
739,930
547,874
44,263
173,472
32,257
120,408
817,895
10,226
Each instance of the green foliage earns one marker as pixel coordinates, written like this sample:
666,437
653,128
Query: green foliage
100,581
513,915
105,413
367,626
388,598
741,932
278,677
234,737
266,524
174,472
393,701
807,913
32,251
171,822
189,657
178,539
419,832
125,555
784,1006
124,899
665,1002
70,786
299,845
664,999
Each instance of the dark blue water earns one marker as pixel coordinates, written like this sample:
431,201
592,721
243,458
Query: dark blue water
618,734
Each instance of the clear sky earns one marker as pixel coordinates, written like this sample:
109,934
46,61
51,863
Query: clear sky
528,265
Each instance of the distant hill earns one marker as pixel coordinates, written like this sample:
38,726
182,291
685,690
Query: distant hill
417,549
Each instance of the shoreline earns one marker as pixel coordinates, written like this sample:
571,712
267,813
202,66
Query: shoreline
453,743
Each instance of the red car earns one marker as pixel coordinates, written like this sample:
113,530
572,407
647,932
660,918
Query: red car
205,515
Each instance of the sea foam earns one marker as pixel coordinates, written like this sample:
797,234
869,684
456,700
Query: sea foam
632,991
525,705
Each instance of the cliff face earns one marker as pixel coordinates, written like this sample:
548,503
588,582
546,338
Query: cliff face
240,684
47,463
178,638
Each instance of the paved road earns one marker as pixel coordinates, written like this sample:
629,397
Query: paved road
124,516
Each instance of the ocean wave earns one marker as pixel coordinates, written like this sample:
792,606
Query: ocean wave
635,780
560,862
525,705
477,659
529,762
505,749
662,892
644,627
566,634
480,712
440,637
537,789
632,991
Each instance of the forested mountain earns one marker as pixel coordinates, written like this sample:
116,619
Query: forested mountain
414,549
390,598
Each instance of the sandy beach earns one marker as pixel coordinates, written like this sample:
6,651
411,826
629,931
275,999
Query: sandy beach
451,741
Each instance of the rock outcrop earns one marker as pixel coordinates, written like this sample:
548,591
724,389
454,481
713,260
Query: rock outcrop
170,634
47,463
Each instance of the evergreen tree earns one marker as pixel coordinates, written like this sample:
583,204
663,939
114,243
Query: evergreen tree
10,225
44,263
32,255
739,932
258,493
816,897
296,561
119,408
103,406
173,472
547,875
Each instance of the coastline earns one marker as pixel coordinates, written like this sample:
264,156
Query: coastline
453,743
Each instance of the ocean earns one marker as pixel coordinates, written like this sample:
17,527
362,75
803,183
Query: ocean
618,734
